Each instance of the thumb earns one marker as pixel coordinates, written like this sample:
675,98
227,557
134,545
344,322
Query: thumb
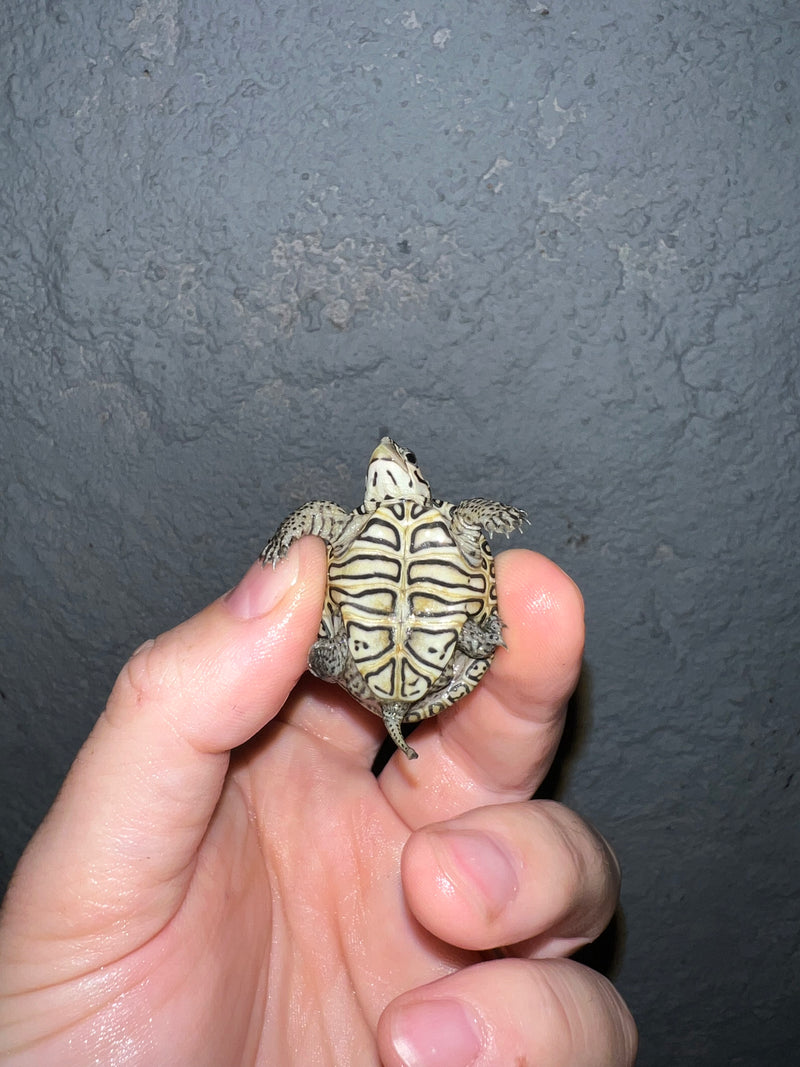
219,677
117,849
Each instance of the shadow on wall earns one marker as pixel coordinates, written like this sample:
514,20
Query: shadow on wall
577,727
605,954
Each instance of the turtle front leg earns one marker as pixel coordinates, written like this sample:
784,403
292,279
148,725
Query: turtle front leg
470,516
493,516
320,517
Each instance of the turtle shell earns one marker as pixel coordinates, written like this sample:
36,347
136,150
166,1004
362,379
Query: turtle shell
404,591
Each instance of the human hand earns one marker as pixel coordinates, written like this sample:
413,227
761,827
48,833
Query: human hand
222,879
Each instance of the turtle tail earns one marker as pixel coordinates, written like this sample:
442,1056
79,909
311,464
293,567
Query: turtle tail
393,715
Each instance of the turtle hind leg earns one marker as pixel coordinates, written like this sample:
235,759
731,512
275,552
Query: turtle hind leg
480,641
320,517
327,658
393,715
466,673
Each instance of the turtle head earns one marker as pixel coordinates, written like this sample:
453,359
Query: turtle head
393,474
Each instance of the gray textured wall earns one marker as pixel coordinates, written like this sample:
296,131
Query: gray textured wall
555,251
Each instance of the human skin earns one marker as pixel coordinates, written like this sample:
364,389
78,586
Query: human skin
222,879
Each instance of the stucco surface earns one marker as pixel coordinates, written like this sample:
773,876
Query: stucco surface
554,250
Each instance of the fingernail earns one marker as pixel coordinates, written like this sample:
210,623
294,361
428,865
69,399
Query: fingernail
436,1033
484,862
262,588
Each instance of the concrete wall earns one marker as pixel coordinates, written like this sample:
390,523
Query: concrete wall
554,250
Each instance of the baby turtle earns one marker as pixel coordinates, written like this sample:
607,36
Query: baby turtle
410,622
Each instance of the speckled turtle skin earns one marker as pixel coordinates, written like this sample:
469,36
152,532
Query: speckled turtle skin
410,621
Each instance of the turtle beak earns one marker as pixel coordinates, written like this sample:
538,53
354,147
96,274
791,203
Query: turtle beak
385,451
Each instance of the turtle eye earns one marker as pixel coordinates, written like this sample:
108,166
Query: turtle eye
411,457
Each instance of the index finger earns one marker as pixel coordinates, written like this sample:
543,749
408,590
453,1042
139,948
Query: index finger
126,828
496,745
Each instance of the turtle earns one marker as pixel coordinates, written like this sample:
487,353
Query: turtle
410,621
